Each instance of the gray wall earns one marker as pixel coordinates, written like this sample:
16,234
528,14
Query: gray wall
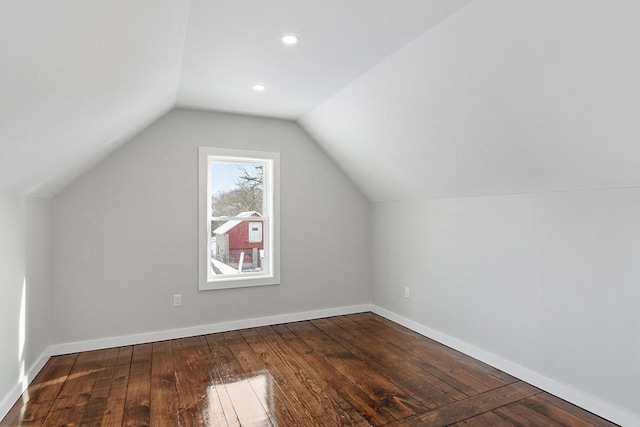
548,281
125,233
25,246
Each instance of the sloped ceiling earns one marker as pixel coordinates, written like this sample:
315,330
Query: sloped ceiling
79,78
500,98
413,99
232,44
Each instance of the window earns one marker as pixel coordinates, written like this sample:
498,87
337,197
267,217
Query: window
238,218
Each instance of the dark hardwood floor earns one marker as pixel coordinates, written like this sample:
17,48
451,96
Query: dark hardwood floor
356,370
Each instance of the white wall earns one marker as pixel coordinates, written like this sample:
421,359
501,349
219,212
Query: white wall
125,233
548,281
502,97
25,268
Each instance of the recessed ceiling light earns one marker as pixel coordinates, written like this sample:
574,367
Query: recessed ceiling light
290,39
259,87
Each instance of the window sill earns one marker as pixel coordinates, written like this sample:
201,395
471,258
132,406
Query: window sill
241,282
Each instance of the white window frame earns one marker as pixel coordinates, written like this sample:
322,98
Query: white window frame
270,219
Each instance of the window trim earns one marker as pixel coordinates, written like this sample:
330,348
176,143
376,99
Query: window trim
271,228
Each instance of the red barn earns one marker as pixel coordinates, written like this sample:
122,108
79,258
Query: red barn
240,236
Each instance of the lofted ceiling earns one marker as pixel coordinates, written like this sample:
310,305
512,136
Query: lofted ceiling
413,99
500,98
78,79
232,44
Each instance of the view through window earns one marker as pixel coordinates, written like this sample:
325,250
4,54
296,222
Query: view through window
237,244
240,200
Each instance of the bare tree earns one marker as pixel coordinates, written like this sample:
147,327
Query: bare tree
246,196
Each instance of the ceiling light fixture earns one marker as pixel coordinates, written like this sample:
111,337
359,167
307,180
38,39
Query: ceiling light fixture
290,39
259,87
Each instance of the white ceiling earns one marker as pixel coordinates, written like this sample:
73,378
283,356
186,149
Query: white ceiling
232,44
500,98
78,79
412,99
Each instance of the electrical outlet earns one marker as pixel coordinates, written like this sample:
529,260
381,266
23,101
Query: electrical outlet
407,292
177,300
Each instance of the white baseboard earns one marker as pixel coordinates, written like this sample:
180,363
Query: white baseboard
74,347
12,397
579,398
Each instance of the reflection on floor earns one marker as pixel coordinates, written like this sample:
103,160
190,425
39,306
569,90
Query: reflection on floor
358,370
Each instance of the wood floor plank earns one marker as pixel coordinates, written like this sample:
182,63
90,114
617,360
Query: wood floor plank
461,410
192,380
521,415
553,413
551,402
304,385
245,394
386,394
259,356
95,408
463,377
366,405
265,384
448,378
475,364
34,405
163,406
218,379
114,409
75,394
353,370
137,402
215,416
386,354
488,419
407,375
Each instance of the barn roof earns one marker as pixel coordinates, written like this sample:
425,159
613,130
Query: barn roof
229,225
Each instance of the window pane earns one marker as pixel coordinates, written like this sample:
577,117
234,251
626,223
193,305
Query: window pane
237,246
238,218
236,188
